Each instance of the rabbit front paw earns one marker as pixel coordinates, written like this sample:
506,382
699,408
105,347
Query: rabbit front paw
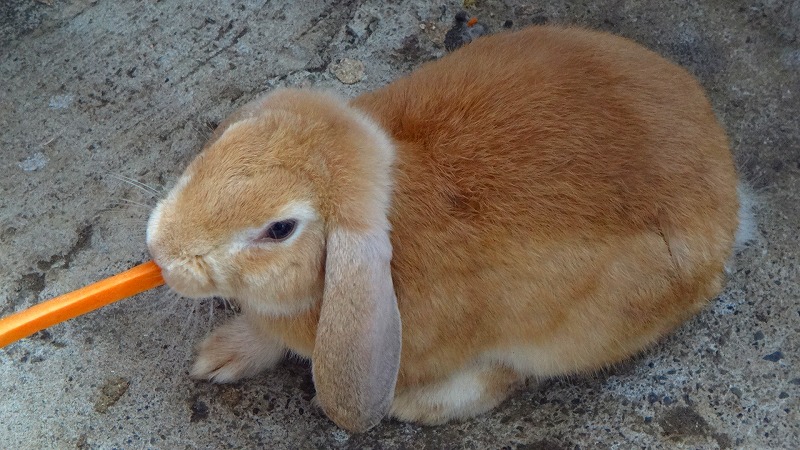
236,350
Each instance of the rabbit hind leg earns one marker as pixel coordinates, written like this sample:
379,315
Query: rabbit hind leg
470,392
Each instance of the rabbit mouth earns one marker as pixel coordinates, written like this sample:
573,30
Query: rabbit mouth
189,279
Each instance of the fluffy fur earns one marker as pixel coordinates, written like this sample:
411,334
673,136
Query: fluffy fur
536,203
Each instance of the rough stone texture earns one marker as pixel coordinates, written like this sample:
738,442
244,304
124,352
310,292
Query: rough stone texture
110,393
93,91
348,71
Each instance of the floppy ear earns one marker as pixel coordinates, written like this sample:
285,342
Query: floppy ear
357,351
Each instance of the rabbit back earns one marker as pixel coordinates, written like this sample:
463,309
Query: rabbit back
561,199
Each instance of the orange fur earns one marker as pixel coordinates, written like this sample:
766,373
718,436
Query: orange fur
547,172
558,200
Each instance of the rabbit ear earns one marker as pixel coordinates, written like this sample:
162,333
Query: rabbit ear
357,352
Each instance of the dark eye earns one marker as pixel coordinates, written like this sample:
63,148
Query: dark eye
278,231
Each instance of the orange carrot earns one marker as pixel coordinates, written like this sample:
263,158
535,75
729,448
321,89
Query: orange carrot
38,317
472,21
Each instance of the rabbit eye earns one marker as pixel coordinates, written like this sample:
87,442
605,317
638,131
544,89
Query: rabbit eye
279,231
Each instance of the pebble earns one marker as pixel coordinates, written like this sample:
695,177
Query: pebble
61,101
340,436
113,389
348,71
33,162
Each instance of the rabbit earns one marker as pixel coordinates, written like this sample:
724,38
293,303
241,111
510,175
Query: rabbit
538,203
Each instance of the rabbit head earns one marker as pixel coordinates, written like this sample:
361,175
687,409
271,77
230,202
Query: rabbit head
286,208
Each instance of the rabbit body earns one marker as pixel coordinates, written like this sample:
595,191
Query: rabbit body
557,200
563,198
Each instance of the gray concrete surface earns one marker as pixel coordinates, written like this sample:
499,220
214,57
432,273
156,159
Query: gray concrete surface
95,90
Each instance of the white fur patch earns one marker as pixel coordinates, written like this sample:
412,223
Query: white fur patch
748,227
301,210
385,146
530,360
462,390
462,394
154,222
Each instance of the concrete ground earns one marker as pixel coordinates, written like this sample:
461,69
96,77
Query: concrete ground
92,91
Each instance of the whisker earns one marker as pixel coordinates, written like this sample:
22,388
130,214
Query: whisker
50,140
134,213
141,184
230,306
204,132
179,324
134,203
146,188
128,214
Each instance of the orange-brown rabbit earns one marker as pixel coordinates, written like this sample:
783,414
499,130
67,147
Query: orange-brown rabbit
536,203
